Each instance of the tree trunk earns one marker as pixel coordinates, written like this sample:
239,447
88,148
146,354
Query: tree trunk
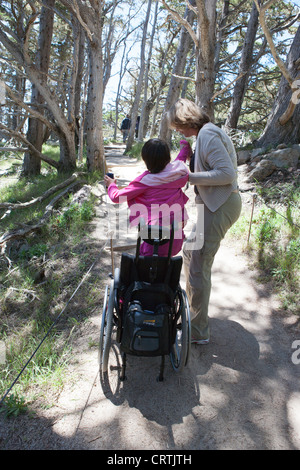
122,71
144,111
35,133
162,83
76,77
135,108
289,133
94,128
221,32
119,89
65,131
109,46
244,71
188,71
15,121
91,16
205,54
178,71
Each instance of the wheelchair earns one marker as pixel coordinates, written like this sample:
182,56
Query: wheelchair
145,311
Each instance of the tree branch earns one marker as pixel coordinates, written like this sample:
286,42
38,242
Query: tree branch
21,232
79,17
183,22
49,192
191,7
184,78
31,111
286,116
291,106
31,147
261,12
220,92
36,77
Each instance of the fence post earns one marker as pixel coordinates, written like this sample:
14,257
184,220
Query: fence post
253,203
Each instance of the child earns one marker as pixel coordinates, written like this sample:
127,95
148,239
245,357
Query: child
158,187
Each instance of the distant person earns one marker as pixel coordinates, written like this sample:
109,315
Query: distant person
125,127
137,124
158,187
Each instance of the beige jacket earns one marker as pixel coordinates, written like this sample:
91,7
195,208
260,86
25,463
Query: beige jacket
215,166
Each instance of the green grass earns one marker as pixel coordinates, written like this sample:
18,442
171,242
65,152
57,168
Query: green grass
8,163
52,151
24,190
14,406
49,362
136,150
274,244
28,308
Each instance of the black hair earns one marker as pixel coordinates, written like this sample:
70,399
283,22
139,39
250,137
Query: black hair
156,155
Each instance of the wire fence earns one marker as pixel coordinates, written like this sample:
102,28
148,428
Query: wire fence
256,197
57,319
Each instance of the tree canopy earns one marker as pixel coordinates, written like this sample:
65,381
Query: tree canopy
70,71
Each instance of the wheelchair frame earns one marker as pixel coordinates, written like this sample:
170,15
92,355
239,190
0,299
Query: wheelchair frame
112,322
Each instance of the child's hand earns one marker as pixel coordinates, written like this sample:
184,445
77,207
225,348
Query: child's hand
108,181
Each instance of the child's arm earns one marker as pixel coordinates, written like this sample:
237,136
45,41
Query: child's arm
185,152
129,192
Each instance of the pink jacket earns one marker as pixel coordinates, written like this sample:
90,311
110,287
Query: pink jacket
158,199
149,191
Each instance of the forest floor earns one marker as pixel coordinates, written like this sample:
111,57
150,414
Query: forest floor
239,392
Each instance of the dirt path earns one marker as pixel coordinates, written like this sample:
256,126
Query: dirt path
239,392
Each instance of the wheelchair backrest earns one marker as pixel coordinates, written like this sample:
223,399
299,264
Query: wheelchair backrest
167,272
137,282
148,306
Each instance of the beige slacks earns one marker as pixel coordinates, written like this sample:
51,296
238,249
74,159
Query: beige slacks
197,262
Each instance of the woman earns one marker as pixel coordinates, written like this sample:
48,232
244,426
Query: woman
215,180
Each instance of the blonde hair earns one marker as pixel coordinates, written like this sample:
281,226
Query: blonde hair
185,114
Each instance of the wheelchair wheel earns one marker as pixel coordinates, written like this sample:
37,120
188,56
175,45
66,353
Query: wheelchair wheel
111,380
106,327
101,342
181,348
